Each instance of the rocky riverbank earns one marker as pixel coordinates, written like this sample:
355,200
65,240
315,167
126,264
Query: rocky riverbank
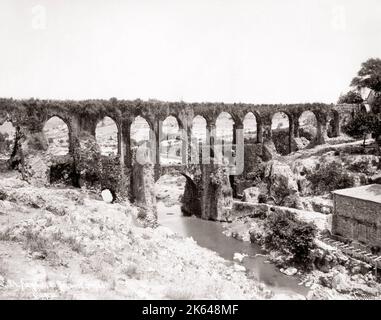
333,274
68,244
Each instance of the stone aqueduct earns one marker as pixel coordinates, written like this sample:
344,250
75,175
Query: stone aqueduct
82,117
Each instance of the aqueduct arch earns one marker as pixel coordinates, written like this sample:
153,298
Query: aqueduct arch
281,132
82,117
57,135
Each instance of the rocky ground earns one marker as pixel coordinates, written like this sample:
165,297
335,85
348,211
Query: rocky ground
335,276
68,244
303,180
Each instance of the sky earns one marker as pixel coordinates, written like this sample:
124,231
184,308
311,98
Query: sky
265,51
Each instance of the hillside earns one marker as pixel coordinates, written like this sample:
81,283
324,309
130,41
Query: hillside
67,244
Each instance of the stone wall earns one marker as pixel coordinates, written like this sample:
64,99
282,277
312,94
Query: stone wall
247,209
357,219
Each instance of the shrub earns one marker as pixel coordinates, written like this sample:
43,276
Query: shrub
37,143
363,124
351,97
3,195
330,176
363,166
286,233
5,143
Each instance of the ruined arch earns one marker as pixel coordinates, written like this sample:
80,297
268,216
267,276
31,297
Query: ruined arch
57,134
178,192
107,136
307,129
281,132
170,141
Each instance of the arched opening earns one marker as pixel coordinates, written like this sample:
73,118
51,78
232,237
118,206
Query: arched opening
224,149
307,131
140,131
250,128
106,134
198,138
223,145
169,190
140,136
251,139
333,126
7,140
56,132
280,126
170,142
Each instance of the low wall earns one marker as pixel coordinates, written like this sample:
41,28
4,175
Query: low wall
244,209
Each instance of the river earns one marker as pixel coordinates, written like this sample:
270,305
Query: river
208,234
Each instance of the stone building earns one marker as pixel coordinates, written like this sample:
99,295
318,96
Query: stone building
357,214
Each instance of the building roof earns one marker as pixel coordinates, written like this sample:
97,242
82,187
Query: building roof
370,192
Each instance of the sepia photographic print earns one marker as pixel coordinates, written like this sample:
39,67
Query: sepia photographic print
166,150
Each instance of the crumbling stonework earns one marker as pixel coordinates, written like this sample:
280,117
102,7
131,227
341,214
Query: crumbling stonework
143,192
92,170
191,199
217,194
281,184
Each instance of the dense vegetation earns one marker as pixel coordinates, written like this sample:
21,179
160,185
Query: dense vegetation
330,176
363,124
351,97
286,233
5,143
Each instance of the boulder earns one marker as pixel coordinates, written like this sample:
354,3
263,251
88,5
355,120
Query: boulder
291,271
239,256
282,185
341,283
301,168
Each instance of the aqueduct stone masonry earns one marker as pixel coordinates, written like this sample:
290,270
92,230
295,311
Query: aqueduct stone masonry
85,166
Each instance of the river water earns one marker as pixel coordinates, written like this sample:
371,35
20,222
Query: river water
208,234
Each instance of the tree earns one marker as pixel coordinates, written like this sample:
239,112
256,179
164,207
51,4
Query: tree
363,124
369,75
351,97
